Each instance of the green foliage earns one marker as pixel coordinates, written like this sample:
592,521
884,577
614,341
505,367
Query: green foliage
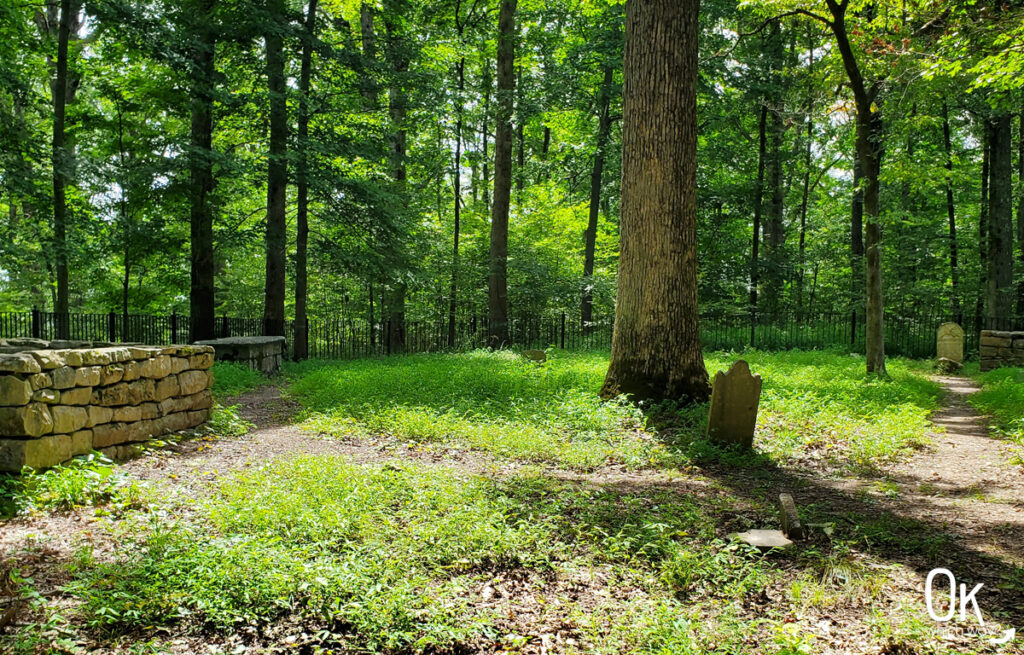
1002,397
91,480
226,422
385,550
816,406
232,378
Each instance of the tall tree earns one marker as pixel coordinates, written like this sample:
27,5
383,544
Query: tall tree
954,273
1020,211
497,283
869,149
277,171
397,137
301,344
604,123
61,157
1000,292
656,351
755,243
200,165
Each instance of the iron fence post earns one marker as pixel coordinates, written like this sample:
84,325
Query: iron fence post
37,327
174,327
112,327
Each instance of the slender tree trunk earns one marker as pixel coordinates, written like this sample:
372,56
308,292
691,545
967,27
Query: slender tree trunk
457,184
200,160
277,174
368,85
604,123
983,226
656,350
485,134
755,242
804,201
954,273
775,236
1020,212
869,154
301,347
1000,292
60,167
397,152
497,285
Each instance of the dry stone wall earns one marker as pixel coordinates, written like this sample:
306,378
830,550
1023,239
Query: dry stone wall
58,403
1001,349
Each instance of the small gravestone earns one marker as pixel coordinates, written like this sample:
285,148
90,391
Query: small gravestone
790,519
949,342
538,356
763,539
734,399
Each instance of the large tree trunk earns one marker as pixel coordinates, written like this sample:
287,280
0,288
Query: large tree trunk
277,175
497,285
604,123
805,196
656,350
1000,292
61,163
954,273
301,345
200,161
869,154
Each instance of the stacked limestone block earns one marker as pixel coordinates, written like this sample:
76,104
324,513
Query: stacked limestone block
55,404
1001,349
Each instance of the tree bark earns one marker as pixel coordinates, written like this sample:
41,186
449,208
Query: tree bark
775,235
397,150
60,166
954,273
869,154
301,345
1020,212
983,226
755,242
805,196
604,123
485,134
1000,291
656,349
497,286
457,185
202,295
368,84
277,174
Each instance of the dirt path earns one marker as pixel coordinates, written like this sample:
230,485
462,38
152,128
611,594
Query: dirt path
965,478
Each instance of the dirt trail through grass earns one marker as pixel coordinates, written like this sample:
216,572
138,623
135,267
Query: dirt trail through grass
965,479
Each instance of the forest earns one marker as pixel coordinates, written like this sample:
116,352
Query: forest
339,159
511,327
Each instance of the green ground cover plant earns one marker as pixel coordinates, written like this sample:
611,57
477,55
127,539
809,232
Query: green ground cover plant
232,378
816,406
90,480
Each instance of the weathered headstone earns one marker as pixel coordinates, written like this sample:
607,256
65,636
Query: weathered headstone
734,399
763,539
790,519
949,342
538,356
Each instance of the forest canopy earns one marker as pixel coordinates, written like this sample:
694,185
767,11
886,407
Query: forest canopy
337,158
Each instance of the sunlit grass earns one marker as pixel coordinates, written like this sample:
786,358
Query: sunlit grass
816,406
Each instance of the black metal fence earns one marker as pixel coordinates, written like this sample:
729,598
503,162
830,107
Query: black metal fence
353,337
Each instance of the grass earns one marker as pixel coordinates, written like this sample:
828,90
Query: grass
232,378
394,557
815,406
398,556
